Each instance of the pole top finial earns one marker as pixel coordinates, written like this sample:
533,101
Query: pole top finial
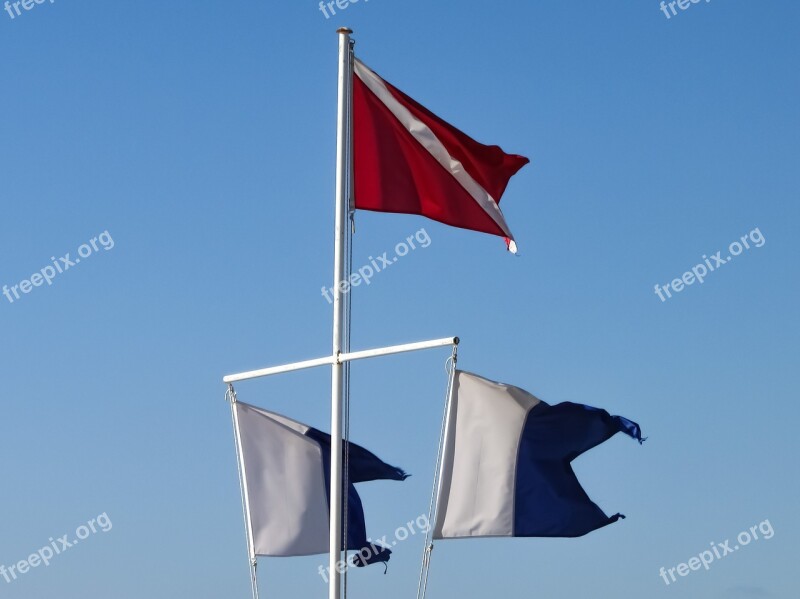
344,30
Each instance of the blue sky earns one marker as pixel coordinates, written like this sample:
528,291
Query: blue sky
200,136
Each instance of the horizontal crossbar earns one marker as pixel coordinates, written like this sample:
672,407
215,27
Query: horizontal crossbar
347,357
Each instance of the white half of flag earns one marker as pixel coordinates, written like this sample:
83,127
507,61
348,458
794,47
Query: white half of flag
284,478
485,422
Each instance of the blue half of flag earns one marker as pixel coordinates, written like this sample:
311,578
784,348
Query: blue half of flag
363,466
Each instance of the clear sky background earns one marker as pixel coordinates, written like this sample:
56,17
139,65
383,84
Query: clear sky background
201,136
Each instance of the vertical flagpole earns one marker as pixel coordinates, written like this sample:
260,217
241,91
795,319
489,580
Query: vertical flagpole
343,170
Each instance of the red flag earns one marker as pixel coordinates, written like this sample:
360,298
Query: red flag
408,160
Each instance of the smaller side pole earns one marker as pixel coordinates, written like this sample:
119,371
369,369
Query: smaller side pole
251,554
433,509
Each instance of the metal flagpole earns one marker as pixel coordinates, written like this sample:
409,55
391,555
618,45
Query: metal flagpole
343,170
436,491
251,553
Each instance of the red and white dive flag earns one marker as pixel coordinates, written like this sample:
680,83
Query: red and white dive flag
406,159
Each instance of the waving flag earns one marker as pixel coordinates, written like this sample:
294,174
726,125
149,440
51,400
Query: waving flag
406,159
506,467
287,477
